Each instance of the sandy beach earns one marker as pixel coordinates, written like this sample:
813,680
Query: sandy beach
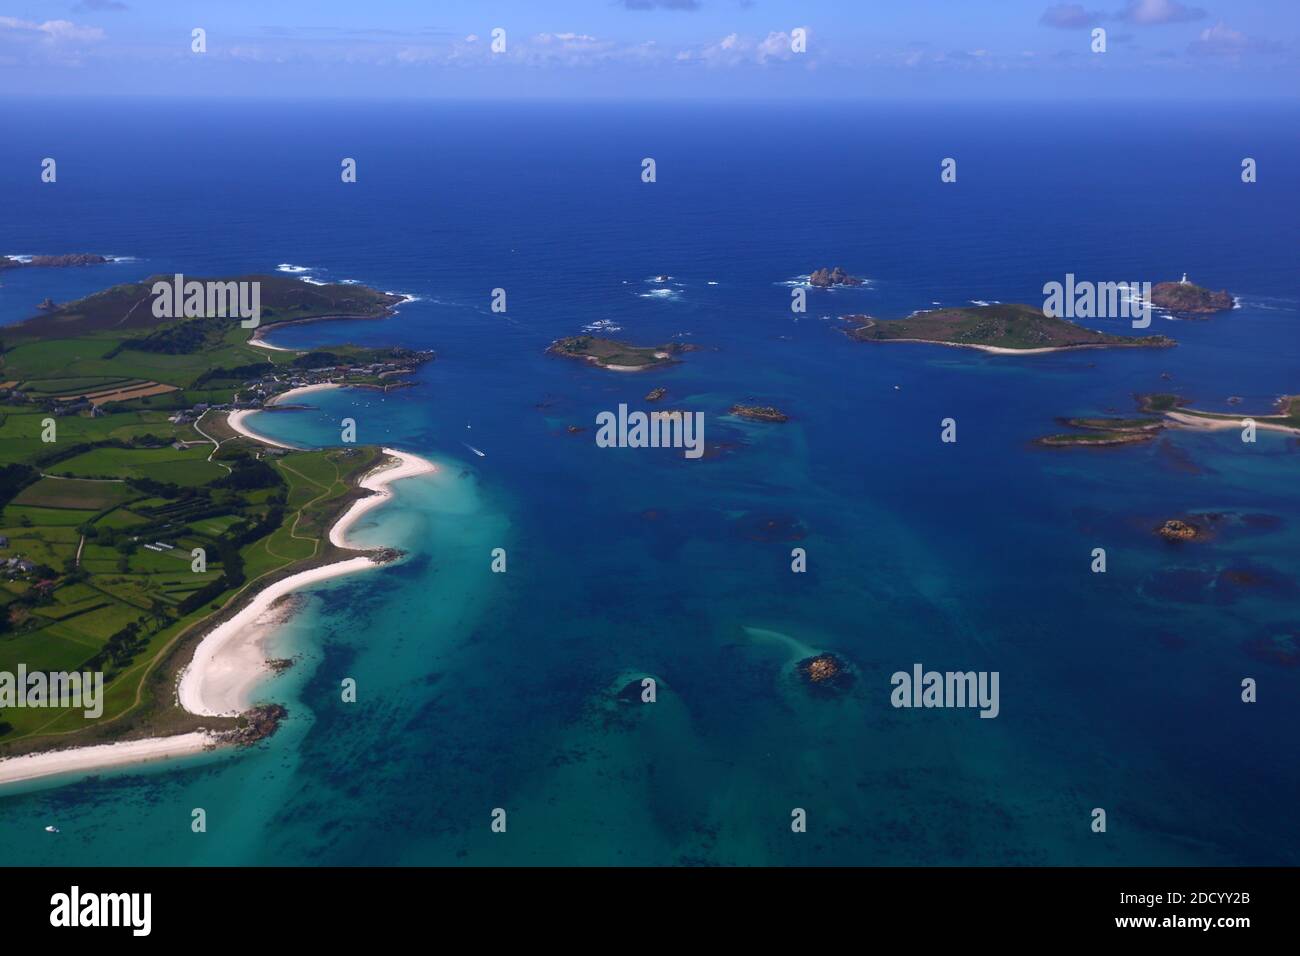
230,661
999,350
405,466
51,762
1218,424
293,393
238,419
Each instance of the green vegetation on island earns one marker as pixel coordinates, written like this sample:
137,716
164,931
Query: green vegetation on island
619,356
131,513
1104,431
1003,327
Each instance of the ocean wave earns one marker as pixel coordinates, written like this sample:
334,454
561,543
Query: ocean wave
122,258
665,293
291,268
19,258
310,281
602,325
1267,304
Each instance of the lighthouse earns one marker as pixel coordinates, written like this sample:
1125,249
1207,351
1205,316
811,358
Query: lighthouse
1183,280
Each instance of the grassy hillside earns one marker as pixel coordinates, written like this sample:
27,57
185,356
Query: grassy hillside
104,499
128,308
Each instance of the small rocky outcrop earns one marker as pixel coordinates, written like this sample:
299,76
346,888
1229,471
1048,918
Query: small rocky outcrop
1175,529
759,413
825,673
656,394
825,278
254,725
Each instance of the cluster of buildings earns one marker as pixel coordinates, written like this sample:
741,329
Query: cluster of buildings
13,567
195,412
257,392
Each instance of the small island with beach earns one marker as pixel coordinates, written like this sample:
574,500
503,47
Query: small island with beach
1001,329
1163,411
150,462
618,356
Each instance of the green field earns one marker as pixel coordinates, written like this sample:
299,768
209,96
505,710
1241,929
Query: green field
103,514
119,584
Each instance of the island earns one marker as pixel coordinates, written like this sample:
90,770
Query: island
1185,296
759,413
1005,328
825,673
617,356
138,519
1177,531
824,278
1104,431
54,262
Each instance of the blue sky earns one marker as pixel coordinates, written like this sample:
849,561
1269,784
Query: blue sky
654,49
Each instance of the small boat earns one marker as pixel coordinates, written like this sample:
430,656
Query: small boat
51,829
481,454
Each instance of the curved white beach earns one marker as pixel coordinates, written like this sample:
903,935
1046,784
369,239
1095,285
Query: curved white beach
230,661
238,419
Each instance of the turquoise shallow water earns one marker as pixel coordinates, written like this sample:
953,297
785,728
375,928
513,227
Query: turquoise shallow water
481,690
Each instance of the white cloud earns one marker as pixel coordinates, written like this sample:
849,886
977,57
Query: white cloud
735,50
51,31
1222,40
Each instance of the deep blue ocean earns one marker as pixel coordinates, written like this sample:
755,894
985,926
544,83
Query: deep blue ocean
479,691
